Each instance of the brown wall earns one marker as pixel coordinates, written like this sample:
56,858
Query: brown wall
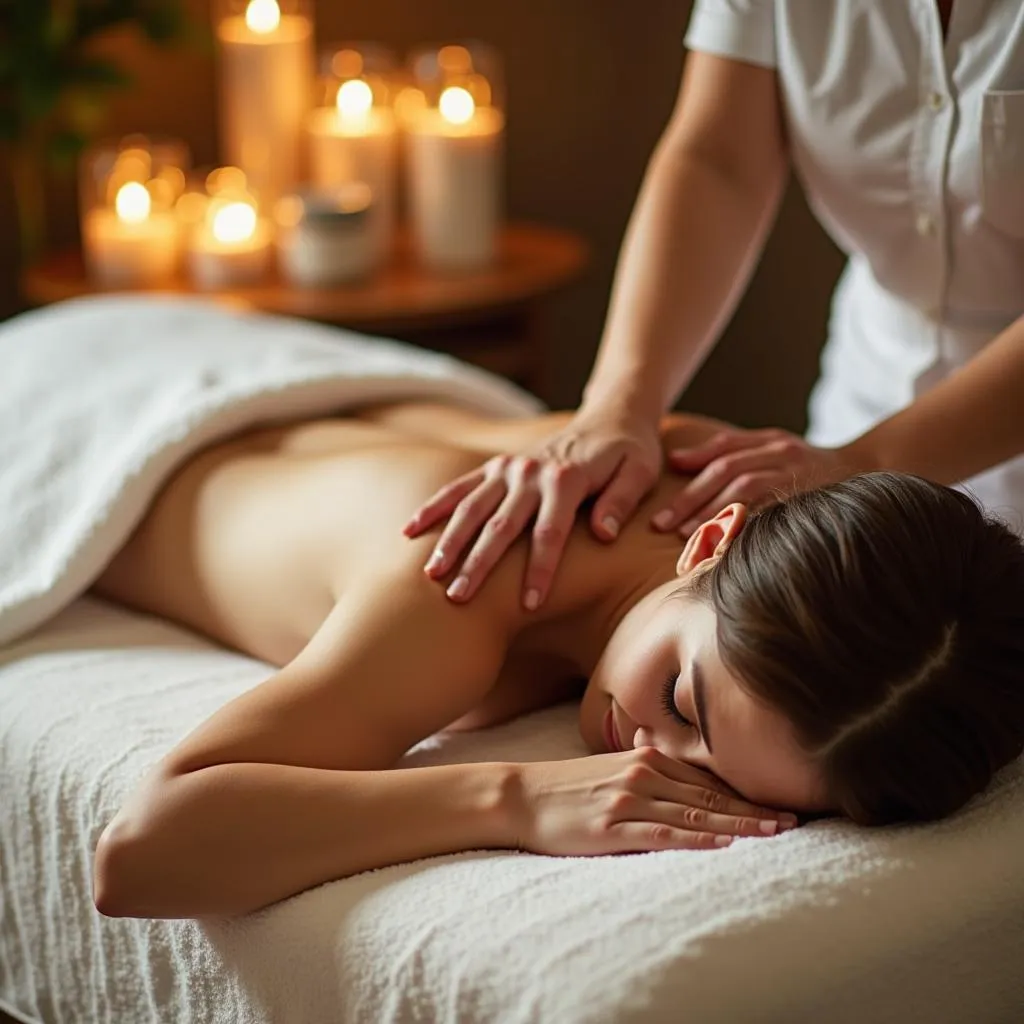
590,84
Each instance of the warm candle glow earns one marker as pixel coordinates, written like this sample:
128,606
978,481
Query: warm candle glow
457,105
234,222
355,99
263,16
133,203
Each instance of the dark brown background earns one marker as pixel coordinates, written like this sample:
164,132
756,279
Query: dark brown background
590,85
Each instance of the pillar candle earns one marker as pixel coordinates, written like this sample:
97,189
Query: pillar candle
455,161
231,247
266,82
130,245
355,141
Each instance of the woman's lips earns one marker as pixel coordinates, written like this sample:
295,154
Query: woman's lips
611,736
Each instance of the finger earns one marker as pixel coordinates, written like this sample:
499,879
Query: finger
711,482
698,818
562,490
644,836
618,501
749,488
679,782
464,523
696,457
443,503
500,531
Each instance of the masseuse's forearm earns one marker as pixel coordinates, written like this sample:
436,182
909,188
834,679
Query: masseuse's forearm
693,239
971,421
232,838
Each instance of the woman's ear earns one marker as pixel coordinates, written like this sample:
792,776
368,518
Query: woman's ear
711,539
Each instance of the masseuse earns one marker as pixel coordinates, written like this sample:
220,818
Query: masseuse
905,124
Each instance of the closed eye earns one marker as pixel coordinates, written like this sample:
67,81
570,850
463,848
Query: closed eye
668,700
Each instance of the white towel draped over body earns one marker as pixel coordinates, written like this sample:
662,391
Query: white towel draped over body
101,399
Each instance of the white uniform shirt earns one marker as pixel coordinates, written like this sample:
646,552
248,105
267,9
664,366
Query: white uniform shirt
911,152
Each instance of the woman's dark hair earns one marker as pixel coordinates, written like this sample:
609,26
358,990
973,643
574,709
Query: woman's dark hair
883,616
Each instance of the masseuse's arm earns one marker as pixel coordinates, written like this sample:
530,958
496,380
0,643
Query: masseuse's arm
968,423
708,199
971,421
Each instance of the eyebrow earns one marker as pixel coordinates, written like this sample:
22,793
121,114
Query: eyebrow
697,682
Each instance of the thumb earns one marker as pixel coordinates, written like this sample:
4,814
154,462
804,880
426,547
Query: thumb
617,503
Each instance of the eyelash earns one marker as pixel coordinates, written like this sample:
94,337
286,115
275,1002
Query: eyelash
668,700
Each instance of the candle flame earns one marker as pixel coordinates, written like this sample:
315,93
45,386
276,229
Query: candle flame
133,203
355,99
457,105
262,16
234,222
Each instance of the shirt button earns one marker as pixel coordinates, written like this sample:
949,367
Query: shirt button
936,100
924,224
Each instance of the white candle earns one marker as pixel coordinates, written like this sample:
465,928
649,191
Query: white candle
455,157
231,248
130,245
357,141
266,76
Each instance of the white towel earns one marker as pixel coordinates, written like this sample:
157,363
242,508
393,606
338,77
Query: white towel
100,400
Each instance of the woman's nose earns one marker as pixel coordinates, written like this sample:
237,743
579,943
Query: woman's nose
644,737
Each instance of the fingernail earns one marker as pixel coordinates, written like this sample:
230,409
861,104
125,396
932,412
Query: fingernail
723,840
611,525
532,600
788,820
436,560
663,520
769,828
459,587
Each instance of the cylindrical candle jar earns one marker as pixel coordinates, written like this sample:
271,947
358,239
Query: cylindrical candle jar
228,243
266,83
326,237
352,133
455,124
127,195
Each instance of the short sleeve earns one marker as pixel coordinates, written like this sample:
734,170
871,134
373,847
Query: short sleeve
741,29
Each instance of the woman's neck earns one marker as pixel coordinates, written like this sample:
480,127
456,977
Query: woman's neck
597,585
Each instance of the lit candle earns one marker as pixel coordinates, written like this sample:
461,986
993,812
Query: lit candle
266,76
354,139
131,244
455,157
231,245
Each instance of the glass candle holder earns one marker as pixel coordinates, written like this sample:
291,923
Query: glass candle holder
128,191
266,85
228,241
453,115
352,132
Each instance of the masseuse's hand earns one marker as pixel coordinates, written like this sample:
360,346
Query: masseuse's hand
617,455
633,801
754,467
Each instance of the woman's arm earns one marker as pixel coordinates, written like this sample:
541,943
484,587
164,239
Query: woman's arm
232,838
290,784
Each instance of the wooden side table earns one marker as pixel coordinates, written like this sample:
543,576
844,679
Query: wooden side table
490,317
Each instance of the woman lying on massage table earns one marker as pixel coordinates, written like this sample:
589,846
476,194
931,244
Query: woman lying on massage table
857,649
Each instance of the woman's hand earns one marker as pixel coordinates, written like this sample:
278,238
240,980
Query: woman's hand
754,467
632,801
619,456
